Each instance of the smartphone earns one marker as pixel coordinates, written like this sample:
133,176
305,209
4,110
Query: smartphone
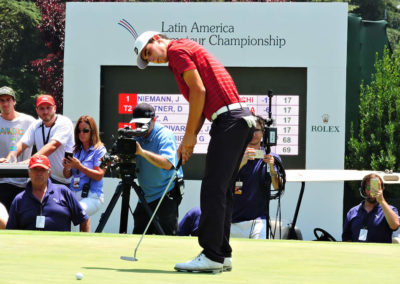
68,155
259,154
374,186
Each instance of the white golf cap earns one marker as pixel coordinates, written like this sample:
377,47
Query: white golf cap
140,43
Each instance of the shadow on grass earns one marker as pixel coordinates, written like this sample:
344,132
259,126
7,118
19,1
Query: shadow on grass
132,270
150,271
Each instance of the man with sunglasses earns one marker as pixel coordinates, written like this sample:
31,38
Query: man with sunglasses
156,152
52,134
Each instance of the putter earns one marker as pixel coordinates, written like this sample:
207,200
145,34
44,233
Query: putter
130,258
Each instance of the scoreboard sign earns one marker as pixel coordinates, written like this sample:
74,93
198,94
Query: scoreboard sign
172,111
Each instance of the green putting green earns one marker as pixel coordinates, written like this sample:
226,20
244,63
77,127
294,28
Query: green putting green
49,257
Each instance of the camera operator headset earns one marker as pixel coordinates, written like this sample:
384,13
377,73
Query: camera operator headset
156,152
373,220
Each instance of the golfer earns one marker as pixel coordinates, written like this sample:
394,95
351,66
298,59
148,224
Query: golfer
211,94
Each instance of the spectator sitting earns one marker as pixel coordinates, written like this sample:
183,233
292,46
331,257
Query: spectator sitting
84,166
373,220
45,205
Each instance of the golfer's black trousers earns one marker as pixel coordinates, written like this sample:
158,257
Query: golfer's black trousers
230,135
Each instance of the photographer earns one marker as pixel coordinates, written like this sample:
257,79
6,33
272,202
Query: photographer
84,165
156,155
373,220
251,195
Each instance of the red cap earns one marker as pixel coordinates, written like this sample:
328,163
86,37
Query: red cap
45,99
39,161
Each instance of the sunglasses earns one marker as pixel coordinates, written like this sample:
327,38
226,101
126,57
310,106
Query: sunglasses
85,130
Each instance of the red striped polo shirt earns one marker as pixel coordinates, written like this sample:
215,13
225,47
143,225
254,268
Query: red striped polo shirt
184,55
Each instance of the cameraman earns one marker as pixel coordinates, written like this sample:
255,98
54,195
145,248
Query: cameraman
156,158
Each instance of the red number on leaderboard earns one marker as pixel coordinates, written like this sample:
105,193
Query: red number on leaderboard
126,103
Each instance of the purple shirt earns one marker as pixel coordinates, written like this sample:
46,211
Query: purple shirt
59,206
375,222
251,201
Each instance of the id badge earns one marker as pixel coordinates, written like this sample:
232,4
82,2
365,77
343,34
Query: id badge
75,183
238,187
363,235
40,222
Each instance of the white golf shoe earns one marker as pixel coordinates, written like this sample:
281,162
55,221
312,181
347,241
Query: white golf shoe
227,265
200,264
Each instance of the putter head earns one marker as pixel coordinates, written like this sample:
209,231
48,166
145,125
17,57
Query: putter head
129,258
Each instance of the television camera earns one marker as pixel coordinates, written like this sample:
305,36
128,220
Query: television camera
121,159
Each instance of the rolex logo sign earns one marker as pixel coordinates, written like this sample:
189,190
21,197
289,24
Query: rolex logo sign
324,127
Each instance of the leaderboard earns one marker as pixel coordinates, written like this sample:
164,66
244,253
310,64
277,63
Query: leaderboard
172,111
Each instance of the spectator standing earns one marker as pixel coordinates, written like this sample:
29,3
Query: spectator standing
53,135
13,125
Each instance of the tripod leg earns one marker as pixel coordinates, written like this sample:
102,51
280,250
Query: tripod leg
104,216
139,193
126,193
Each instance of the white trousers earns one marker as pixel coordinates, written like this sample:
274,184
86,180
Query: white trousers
90,204
255,229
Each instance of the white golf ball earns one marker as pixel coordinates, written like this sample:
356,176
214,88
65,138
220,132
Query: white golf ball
79,276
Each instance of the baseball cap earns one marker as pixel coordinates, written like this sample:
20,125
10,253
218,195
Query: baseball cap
39,161
140,43
7,91
142,113
45,99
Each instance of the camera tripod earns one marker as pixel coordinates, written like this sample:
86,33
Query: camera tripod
123,189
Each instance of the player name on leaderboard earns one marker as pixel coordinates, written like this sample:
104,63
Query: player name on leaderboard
172,111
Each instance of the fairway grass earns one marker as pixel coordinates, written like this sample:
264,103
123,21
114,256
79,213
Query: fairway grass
49,257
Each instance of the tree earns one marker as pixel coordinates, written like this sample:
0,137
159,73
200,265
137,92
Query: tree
376,146
20,43
370,9
50,68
